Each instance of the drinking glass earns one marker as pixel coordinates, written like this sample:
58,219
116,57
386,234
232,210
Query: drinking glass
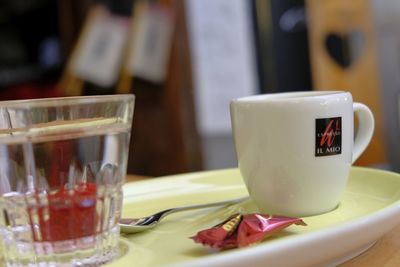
62,166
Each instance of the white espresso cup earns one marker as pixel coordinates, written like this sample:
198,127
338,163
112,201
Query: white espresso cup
295,150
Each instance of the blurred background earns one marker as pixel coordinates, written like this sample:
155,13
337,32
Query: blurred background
186,59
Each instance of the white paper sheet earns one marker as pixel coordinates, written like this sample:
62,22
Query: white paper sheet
224,65
152,44
100,54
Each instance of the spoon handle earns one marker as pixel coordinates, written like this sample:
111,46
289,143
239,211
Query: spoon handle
200,206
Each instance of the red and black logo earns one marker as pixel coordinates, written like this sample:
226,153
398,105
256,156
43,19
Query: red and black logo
328,136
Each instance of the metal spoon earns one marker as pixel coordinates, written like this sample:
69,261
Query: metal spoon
134,225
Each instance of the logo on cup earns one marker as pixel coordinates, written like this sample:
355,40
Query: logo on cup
328,136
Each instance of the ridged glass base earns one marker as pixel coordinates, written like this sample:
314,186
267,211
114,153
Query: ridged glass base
86,251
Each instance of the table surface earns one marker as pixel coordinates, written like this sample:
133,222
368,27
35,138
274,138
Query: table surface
384,253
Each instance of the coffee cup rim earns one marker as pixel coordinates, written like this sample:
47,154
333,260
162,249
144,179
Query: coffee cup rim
288,96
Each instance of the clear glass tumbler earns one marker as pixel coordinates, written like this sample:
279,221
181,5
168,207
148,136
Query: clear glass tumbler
62,166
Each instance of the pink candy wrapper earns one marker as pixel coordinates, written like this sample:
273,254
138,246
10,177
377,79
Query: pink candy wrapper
243,230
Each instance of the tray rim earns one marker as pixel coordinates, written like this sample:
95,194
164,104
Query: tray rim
353,227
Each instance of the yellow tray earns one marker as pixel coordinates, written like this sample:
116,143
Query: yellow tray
370,207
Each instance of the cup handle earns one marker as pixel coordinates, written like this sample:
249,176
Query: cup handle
365,130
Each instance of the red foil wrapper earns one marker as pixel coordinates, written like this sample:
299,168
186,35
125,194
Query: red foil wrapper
243,230
217,236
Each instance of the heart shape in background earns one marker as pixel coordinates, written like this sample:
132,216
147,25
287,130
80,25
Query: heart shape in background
346,48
